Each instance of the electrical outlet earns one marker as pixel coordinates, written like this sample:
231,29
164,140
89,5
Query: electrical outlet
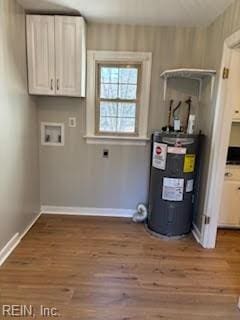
105,153
72,123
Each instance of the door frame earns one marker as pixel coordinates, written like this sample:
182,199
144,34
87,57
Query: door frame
219,147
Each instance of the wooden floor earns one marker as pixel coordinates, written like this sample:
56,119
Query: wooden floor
110,268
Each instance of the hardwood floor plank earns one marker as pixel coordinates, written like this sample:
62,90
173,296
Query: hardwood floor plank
110,268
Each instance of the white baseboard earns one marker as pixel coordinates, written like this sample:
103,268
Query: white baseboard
228,226
81,211
196,233
9,247
14,241
30,225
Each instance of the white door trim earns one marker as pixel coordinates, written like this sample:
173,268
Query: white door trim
219,146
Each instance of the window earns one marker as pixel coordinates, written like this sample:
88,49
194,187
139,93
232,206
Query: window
117,98
118,88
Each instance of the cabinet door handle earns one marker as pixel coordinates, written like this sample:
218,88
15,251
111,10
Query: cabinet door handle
51,86
228,174
239,188
57,84
236,111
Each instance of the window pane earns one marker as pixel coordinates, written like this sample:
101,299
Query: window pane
108,124
108,109
118,83
127,91
109,75
126,125
127,110
128,75
109,91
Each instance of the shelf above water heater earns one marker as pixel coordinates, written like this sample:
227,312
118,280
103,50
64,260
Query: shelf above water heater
187,73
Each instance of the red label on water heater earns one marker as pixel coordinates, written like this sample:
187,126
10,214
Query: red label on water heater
158,150
159,155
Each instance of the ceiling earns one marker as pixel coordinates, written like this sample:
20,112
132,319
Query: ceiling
143,12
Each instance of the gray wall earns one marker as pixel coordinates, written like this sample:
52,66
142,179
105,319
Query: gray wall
76,174
19,171
217,32
84,178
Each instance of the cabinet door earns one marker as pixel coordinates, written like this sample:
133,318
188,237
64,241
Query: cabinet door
41,58
70,56
236,114
233,98
229,213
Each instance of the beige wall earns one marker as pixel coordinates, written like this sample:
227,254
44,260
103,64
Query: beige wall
19,171
76,174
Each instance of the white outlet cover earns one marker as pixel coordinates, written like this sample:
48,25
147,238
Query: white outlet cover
72,123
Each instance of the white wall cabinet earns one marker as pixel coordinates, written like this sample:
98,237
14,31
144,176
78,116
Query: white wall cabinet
41,55
230,206
56,47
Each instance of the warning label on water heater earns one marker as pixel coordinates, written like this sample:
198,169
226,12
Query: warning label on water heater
189,185
159,155
173,189
189,163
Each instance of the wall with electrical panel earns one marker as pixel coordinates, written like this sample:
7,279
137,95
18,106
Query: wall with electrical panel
79,174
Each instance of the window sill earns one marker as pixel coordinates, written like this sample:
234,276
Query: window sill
117,140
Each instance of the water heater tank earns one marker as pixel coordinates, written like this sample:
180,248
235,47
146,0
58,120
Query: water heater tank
172,180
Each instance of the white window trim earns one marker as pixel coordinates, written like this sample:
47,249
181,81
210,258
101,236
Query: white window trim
145,58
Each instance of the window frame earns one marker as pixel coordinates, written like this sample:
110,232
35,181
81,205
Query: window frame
98,100
118,57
